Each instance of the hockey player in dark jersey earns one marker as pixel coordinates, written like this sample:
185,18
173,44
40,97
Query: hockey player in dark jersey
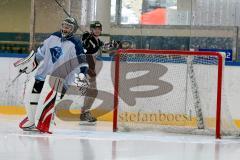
57,55
92,44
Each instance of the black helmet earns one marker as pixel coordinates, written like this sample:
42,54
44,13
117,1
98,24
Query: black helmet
72,22
95,24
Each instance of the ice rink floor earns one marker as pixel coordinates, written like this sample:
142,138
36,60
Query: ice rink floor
72,141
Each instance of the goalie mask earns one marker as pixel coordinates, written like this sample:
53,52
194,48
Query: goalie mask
69,27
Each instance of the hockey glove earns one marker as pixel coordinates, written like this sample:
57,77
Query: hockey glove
82,82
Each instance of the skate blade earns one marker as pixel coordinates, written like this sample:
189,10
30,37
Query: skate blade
87,123
30,129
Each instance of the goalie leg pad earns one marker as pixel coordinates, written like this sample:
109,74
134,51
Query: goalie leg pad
31,99
44,118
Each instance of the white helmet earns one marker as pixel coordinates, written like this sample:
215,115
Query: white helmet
70,21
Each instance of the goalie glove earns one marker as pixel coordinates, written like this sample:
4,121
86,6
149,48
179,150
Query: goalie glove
28,64
82,82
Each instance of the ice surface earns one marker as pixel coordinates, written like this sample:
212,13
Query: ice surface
72,141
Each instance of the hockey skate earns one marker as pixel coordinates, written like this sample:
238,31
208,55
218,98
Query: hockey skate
86,118
26,125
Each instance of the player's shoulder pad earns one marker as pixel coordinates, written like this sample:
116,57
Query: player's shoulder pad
85,35
57,34
77,43
75,40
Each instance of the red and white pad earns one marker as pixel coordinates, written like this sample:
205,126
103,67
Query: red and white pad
44,118
30,103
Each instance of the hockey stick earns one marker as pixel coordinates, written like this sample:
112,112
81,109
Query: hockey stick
21,71
63,8
13,81
113,46
19,74
68,14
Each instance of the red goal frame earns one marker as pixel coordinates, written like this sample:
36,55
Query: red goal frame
175,52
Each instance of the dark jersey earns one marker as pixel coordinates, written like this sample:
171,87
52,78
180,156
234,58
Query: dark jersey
91,45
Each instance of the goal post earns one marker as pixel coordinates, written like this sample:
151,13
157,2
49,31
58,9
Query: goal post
171,90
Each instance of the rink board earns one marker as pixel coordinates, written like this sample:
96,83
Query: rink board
11,103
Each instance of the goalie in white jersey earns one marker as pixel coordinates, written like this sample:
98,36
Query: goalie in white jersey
59,54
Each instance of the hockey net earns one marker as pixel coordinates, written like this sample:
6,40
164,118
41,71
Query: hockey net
171,91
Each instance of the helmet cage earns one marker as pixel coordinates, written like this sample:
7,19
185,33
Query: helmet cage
72,23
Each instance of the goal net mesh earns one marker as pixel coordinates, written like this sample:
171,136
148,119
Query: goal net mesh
170,91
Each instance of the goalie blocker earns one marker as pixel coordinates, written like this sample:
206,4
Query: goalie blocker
28,64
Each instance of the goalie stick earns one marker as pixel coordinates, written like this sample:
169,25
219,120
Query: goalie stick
13,81
68,14
19,74
59,4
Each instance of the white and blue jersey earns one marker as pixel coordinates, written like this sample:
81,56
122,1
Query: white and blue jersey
60,57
